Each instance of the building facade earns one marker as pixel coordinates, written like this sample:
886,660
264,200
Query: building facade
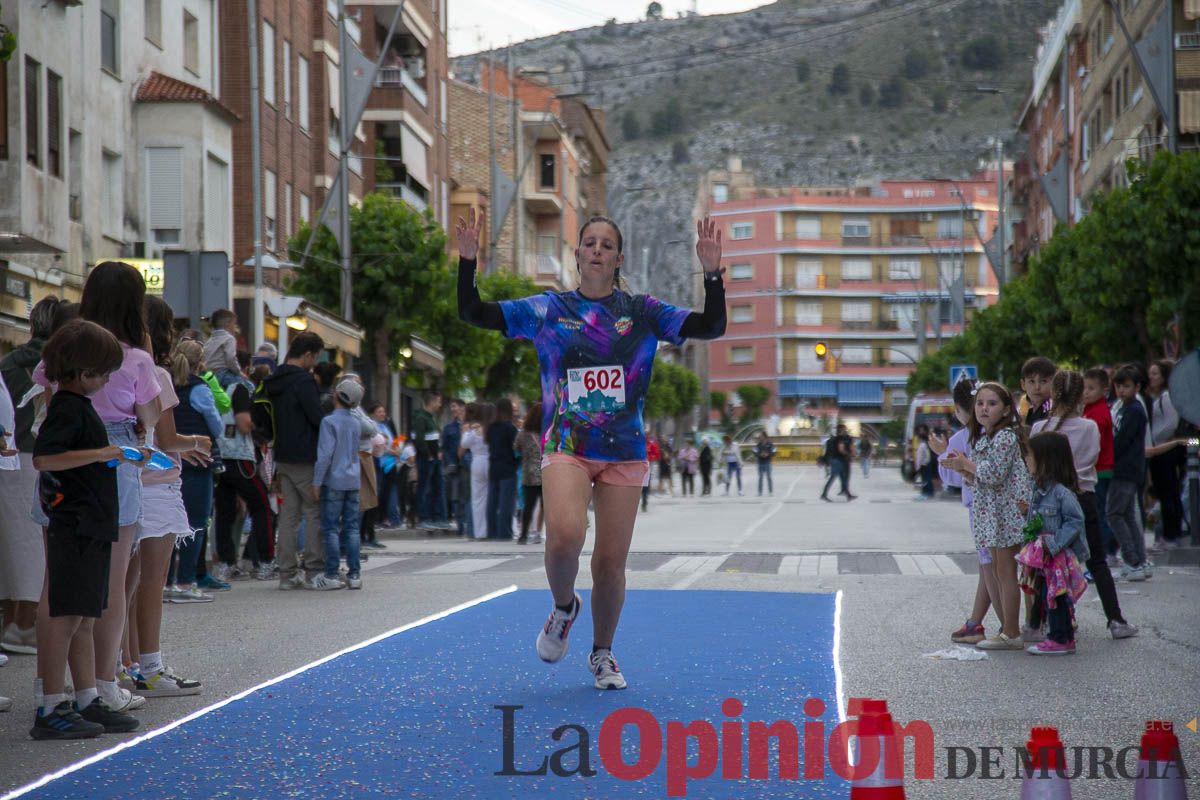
878,274
115,142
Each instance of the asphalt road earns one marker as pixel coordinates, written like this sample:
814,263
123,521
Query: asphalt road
906,570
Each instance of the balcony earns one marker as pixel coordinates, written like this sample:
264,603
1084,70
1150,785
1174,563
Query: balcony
856,325
393,77
404,193
544,267
1187,41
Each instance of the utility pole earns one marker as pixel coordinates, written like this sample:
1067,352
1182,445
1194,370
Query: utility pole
493,182
1002,278
518,138
346,136
256,167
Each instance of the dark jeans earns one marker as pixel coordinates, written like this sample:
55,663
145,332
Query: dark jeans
241,479
431,504
1164,473
501,505
839,470
339,521
1060,620
764,468
705,480
533,496
197,500
1097,564
1111,545
451,480
688,481
927,475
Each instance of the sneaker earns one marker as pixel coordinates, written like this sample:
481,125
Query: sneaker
112,721
64,722
1001,642
191,594
1136,574
1122,630
323,583
213,584
552,639
5,703
294,582
121,699
19,640
1049,647
263,572
604,667
126,678
239,573
220,572
969,633
537,539
166,684
1032,635
376,545
170,592
353,582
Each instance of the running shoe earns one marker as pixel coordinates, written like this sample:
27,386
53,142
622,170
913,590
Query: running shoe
1051,648
213,584
126,678
1032,635
604,668
64,722
552,639
18,640
323,583
969,633
166,684
353,582
120,699
1122,630
293,582
1135,574
113,721
190,594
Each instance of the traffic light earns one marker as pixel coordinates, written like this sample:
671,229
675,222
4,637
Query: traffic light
821,350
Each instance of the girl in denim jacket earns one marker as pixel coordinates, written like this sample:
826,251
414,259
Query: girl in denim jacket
1056,518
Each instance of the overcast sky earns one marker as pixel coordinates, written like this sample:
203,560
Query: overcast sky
480,24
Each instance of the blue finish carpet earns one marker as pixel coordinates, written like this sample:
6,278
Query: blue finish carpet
414,715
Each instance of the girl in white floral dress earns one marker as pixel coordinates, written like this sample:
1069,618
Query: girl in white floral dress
996,470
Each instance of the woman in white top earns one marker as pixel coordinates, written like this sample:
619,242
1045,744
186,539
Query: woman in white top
1165,458
474,439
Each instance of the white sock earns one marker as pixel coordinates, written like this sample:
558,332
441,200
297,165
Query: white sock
84,697
49,702
107,688
151,663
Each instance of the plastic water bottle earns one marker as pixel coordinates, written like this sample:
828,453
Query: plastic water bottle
158,460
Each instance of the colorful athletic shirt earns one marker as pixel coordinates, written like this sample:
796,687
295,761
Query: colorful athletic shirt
596,357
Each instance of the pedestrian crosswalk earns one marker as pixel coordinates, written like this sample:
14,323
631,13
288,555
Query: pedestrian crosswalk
683,564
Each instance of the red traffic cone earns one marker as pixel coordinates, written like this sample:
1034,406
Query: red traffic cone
1044,778
876,741
1160,774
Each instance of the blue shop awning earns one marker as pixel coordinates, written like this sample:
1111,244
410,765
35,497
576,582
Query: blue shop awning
807,387
860,393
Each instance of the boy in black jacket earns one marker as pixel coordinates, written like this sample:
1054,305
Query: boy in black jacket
1129,469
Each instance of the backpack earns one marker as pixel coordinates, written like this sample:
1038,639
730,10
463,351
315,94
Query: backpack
262,414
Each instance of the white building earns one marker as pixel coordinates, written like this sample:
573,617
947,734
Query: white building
114,142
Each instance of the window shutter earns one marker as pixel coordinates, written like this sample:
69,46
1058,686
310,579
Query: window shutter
164,168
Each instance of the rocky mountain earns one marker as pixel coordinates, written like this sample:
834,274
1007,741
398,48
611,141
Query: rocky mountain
803,91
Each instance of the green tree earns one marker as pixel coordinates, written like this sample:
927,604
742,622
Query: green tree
515,368
893,92
754,397
674,116
866,95
803,70
631,129
8,43
654,10
839,80
984,52
662,401
917,64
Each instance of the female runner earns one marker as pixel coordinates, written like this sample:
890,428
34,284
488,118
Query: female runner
596,346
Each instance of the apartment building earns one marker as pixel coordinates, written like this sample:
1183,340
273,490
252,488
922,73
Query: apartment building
559,154
1091,108
877,273
115,141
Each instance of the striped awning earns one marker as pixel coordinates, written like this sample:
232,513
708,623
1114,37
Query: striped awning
860,393
802,387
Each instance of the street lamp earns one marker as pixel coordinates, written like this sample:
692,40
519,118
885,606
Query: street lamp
261,261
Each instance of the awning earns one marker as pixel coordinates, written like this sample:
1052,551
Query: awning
412,150
1191,9
802,387
860,393
1189,111
13,329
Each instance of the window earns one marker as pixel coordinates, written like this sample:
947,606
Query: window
109,37
546,171
949,226
4,111
287,78
808,313
741,272
152,12
720,193
113,200
856,269
269,209
905,315
741,355
268,62
191,44
164,193
302,92
857,355
33,113
75,176
741,313
216,205
902,354
304,207
54,124
289,225
856,227
904,269
808,227
1085,143
856,312
808,273
741,230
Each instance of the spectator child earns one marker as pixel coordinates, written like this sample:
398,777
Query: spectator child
1129,470
220,351
1165,458
1054,515
1036,375
336,480
79,496
1095,408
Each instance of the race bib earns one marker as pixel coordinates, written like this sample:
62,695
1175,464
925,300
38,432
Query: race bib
431,437
596,389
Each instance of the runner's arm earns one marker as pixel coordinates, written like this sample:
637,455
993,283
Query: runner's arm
709,323
470,307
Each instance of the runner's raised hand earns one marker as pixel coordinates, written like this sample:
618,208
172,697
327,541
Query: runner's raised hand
708,244
467,232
